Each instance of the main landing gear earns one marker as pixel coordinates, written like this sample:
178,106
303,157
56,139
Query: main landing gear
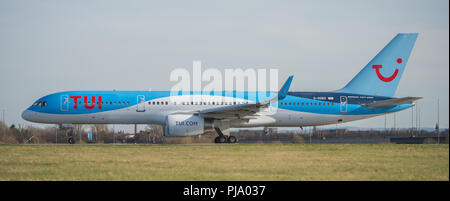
223,138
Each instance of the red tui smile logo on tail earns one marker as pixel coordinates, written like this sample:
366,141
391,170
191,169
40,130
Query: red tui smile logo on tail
386,79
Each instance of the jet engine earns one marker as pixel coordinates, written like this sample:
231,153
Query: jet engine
178,125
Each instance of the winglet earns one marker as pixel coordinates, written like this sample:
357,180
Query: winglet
284,90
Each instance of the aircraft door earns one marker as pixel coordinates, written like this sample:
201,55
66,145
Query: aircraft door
343,105
64,104
140,103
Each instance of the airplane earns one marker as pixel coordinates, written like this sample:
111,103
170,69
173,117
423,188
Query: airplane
370,93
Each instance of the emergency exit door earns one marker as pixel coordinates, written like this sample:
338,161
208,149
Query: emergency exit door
64,104
140,103
343,106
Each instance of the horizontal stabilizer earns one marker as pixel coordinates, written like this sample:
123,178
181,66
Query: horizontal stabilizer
392,102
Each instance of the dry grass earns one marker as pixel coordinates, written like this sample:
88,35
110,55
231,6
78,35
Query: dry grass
225,162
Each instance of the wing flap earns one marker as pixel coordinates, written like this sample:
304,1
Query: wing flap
246,110
230,112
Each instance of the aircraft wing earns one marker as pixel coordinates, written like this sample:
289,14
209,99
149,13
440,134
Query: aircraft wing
245,110
392,102
232,111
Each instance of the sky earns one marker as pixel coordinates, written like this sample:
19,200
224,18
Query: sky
51,46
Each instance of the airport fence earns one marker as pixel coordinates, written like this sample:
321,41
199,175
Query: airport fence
153,135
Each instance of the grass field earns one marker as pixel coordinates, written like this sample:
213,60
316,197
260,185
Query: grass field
225,162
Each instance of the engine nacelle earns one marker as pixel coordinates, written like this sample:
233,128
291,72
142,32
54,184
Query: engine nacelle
178,125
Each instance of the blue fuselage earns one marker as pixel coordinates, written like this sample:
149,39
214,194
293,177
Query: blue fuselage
153,107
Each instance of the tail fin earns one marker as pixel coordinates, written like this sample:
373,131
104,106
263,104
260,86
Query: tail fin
380,77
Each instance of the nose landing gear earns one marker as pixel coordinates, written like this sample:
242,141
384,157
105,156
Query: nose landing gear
70,139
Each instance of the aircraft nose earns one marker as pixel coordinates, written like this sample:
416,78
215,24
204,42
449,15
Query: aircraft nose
26,115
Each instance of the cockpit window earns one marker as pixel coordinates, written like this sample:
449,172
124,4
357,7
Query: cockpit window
40,103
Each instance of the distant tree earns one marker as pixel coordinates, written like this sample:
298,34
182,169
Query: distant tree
154,133
154,129
100,128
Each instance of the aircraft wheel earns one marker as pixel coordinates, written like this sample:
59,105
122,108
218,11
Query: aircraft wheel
232,139
220,139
